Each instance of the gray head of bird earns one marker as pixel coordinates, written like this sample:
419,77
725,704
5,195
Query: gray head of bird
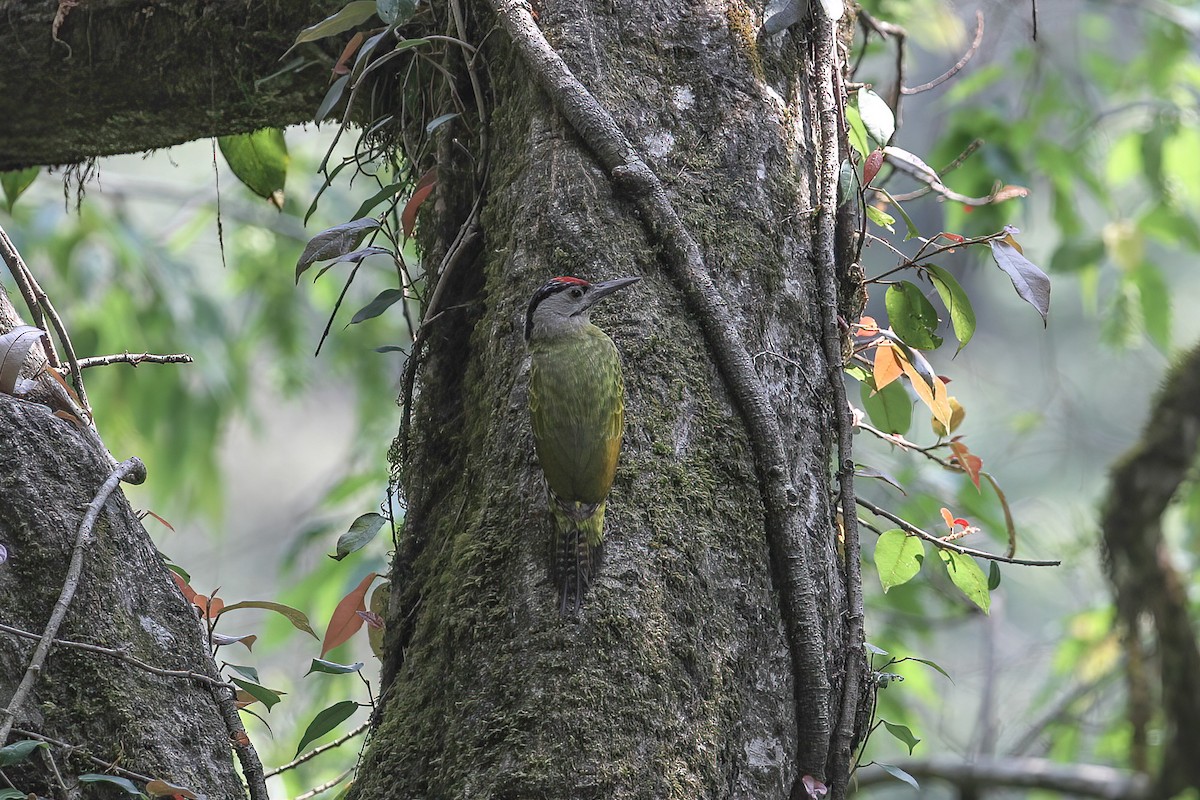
562,305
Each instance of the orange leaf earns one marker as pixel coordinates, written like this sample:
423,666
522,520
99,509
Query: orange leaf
341,68
346,621
867,326
408,217
160,519
936,398
210,607
971,463
948,517
887,366
954,237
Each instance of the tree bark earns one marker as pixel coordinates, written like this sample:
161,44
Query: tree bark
680,677
157,726
121,76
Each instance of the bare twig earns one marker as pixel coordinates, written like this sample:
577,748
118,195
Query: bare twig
316,751
83,538
962,62
120,655
324,787
133,359
1080,780
20,272
107,764
938,541
786,534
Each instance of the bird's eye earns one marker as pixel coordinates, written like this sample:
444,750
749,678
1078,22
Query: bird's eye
577,293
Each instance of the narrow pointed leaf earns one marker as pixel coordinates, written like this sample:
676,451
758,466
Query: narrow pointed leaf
326,721
350,15
259,692
345,621
382,302
334,242
333,668
112,780
899,774
293,615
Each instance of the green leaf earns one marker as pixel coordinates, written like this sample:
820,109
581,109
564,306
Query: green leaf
15,182
967,576
395,12
962,316
12,794
250,673
293,615
333,668
1031,283
933,665
332,96
259,160
113,780
912,316
1076,254
881,218
898,557
261,693
847,179
361,532
17,752
877,116
386,193
899,774
858,132
334,242
382,302
870,648
1155,299
349,16
890,410
993,576
326,721
902,733
438,122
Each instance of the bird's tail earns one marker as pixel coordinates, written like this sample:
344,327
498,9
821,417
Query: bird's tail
578,550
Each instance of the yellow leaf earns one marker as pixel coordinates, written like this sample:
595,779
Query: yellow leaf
937,399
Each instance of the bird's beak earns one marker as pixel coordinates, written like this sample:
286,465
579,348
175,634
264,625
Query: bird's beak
605,288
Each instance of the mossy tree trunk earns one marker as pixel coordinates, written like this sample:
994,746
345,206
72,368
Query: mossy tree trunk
678,678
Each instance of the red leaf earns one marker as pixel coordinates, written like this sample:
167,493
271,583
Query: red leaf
408,217
871,166
346,621
971,463
954,237
160,519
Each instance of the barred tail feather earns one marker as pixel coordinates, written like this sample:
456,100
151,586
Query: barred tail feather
578,550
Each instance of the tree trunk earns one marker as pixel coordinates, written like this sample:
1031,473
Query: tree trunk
687,674
158,726
100,77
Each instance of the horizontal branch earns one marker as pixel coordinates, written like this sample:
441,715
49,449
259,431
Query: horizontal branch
937,541
133,359
1081,780
122,76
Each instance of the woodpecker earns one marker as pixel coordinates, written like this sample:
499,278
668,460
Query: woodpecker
577,406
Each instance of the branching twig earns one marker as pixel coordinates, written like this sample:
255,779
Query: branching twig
785,534
120,655
133,359
938,541
83,538
316,751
